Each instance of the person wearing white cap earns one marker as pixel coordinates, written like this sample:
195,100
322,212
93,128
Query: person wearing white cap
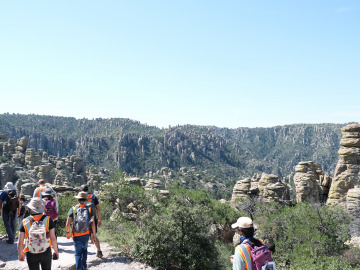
38,233
9,203
241,260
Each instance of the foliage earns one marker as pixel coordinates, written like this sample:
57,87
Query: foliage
304,233
177,239
66,201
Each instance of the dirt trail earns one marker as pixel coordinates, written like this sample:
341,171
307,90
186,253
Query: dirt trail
110,261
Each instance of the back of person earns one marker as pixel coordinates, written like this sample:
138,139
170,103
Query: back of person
37,235
11,201
81,219
50,209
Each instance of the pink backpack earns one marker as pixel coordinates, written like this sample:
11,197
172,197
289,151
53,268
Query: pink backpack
261,257
50,209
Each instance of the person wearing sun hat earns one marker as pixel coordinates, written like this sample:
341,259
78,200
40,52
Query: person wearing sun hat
82,220
9,204
43,256
241,259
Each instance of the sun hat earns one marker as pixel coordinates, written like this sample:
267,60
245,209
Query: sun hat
9,186
81,195
243,222
84,187
37,205
47,192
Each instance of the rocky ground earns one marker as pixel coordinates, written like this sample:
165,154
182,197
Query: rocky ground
110,261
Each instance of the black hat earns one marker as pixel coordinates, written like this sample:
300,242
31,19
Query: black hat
84,187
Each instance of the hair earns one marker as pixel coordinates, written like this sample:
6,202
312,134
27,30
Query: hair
81,200
249,233
41,182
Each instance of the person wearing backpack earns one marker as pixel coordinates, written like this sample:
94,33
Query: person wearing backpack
50,205
250,253
9,204
23,211
93,202
82,220
38,233
42,186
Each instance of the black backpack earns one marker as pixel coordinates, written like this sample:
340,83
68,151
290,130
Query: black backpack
11,201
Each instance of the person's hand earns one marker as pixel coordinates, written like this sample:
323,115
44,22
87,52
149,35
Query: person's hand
21,257
93,238
232,259
68,235
99,223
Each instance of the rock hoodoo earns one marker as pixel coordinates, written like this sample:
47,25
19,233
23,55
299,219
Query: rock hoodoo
347,172
311,185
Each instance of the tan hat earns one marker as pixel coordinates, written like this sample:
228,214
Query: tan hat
9,186
243,222
81,195
37,205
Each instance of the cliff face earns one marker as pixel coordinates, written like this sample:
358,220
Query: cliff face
138,149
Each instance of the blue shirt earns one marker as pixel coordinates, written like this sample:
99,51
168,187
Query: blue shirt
3,195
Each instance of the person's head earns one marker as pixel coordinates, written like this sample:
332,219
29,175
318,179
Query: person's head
81,197
47,193
22,198
245,226
36,206
84,188
41,182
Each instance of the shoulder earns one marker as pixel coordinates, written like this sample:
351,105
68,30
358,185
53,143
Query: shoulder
70,212
3,195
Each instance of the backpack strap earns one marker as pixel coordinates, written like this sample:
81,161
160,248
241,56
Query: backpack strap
245,255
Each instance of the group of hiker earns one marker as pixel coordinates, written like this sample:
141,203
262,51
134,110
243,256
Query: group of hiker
37,221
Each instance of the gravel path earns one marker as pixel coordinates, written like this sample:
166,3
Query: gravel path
110,261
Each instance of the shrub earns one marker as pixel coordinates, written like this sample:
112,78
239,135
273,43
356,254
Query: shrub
66,201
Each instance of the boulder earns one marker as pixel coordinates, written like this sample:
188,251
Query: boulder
271,188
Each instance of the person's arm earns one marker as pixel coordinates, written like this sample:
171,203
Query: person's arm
93,229
1,204
20,246
68,222
98,214
239,263
54,241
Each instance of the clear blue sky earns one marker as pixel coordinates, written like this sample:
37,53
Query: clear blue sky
223,63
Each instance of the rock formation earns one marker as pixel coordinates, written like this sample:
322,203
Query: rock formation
311,185
268,187
346,176
271,188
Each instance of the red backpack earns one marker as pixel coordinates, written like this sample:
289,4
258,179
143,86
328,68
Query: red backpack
260,257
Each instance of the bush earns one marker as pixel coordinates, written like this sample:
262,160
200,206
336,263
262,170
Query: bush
66,201
177,239
306,233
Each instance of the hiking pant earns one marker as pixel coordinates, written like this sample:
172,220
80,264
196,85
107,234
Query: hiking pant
9,219
81,245
35,260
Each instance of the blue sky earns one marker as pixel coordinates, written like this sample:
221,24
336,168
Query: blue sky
222,63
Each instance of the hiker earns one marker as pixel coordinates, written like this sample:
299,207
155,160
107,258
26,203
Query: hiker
23,211
9,203
93,202
39,234
50,205
41,187
82,220
242,260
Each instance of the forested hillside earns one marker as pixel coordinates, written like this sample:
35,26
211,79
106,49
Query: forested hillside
137,148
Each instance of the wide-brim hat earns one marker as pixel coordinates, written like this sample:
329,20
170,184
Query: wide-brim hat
9,186
37,205
81,195
47,192
243,222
